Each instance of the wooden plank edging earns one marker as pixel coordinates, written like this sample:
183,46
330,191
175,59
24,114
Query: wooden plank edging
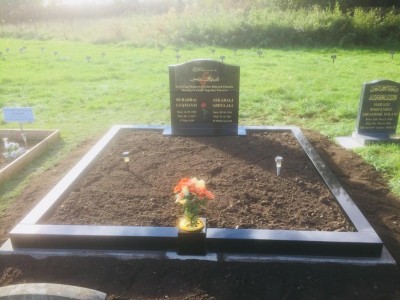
49,138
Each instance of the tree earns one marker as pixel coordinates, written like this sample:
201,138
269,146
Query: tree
17,11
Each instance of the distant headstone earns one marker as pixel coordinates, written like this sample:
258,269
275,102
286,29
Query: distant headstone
378,111
204,98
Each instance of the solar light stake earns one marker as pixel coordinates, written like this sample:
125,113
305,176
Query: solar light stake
278,161
125,155
23,135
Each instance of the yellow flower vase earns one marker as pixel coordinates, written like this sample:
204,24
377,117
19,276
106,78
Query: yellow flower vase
185,224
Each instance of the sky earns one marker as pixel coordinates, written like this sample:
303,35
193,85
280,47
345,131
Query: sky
83,2
79,2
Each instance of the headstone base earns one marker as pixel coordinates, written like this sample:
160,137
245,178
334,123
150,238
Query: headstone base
241,131
192,243
348,142
375,138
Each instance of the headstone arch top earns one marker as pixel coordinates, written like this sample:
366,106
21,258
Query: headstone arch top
204,96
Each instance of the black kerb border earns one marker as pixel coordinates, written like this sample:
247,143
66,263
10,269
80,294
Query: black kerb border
29,234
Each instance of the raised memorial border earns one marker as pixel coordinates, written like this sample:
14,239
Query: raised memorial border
363,243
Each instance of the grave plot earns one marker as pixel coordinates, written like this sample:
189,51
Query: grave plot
38,141
22,146
304,211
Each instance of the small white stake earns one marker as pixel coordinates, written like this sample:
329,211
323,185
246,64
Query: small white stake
278,161
125,155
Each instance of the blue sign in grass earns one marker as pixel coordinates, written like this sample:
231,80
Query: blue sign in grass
18,114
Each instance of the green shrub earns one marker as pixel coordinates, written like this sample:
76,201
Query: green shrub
212,25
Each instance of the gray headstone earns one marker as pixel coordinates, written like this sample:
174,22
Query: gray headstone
378,110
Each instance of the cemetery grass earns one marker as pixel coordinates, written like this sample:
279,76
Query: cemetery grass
170,279
83,89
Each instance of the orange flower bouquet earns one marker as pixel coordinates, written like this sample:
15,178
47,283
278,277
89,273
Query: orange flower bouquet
192,194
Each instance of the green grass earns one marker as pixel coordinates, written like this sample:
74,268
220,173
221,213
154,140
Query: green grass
385,159
129,85
219,24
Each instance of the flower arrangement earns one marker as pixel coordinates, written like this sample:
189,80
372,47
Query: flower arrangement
203,106
12,150
192,194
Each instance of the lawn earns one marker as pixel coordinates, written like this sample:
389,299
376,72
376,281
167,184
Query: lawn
83,89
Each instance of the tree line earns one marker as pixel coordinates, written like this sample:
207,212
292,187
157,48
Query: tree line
16,11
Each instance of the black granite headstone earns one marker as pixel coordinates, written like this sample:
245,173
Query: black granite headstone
204,98
378,111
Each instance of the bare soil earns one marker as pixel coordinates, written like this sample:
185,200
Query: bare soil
240,171
154,279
